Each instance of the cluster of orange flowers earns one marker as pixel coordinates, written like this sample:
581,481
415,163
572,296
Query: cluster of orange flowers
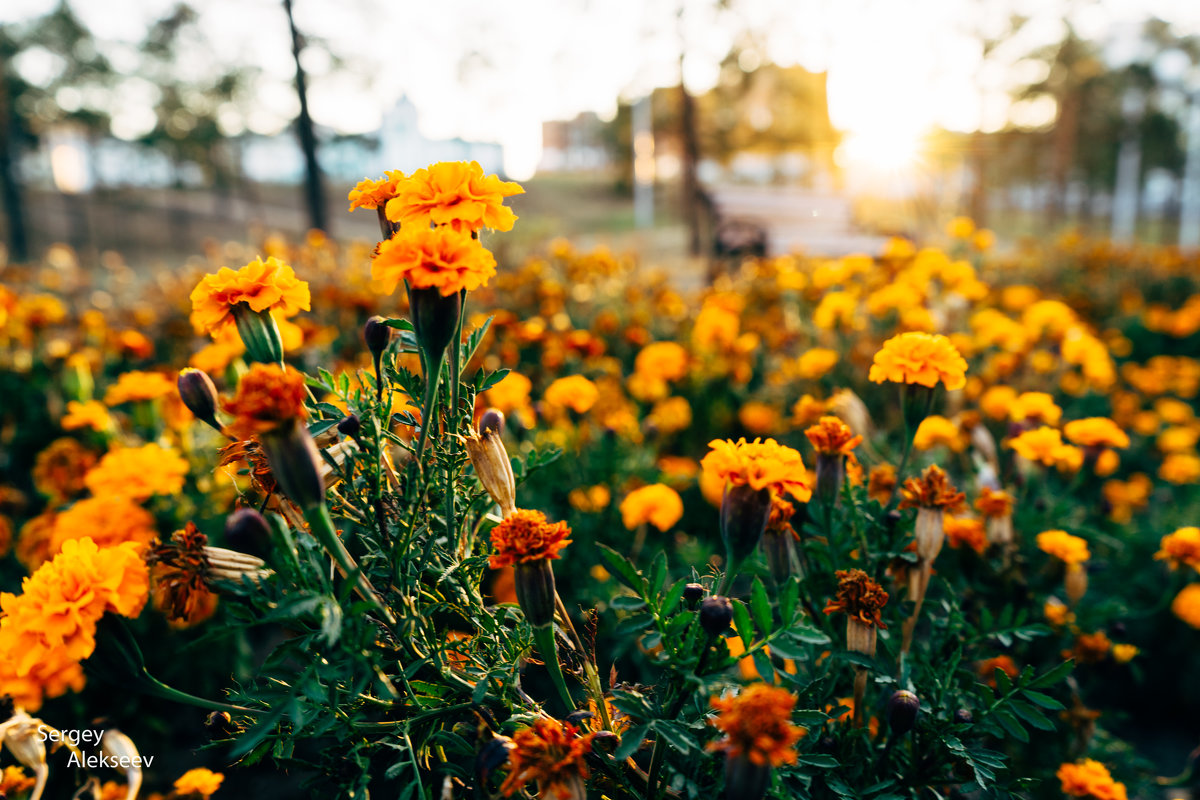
1089,778
760,465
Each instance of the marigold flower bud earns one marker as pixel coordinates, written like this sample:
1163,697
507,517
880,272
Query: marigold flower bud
247,530
377,335
963,716
435,319
493,467
744,514
220,725
350,425
716,614
831,473
902,709
198,393
777,547
693,593
534,583
1075,582
492,420
259,333
295,463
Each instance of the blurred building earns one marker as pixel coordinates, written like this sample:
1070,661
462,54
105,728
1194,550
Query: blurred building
402,145
576,145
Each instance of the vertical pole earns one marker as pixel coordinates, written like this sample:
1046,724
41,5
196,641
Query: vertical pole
643,163
1189,213
314,192
1129,169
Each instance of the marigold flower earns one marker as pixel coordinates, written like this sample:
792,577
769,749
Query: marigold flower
1057,613
60,469
757,725
574,392
1186,605
371,194
817,362
261,285
932,490
758,417
438,258
1181,548
759,464
920,358
527,536
1045,445
965,531
108,520
994,503
267,397
551,753
657,504
1090,648
1063,546
137,386
138,473
179,573
859,597
831,435
987,669
200,781
1124,653
936,430
1180,468
1088,778
1036,407
1096,432
91,414
455,194
666,361
14,781
881,482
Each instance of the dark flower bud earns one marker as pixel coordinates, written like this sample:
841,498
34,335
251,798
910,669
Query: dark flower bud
902,711
220,725
350,426
377,335
827,744
534,583
693,593
295,463
777,547
716,614
744,514
963,716
198,393
745,780
491,757
1118,628
247,530
492,421
435,319
831,474
892,520
579,718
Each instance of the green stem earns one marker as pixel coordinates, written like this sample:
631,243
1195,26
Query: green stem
167,693
452,419
543,638
433,375
322,527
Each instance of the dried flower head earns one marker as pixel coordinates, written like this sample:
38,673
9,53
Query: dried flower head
527,536
757,725
831,435
551,753
859,597
268,396
932,490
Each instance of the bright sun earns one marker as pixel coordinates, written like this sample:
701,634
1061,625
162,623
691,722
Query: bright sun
881,150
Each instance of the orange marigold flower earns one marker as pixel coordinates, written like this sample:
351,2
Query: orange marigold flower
47,679
761,464
60,604
60,469
932,490
108,520
832,436
138,473
91,414
1090,647
815,363
859,597
667,361
921,358
371,194
261,285
455,194
1045,445
987,668
137,386
527,536
965,531
1088,778
574,392
1096,432
267,396
1057,613
1186,605
14,781
658,504
1063,546
757,723
993,503
432,258
198,782
1035,407
551,753
1181,548
881,482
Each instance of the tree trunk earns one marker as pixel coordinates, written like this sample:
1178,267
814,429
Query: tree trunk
1066,137
10,188
313,189
692,201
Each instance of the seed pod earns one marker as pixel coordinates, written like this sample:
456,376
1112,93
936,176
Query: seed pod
492,421
198,393
493,467
117,745
716,614
350,425
902,709
534,583
247,530
693,593
295,463
744,514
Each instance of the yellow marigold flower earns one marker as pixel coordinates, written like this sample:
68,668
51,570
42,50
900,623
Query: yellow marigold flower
671,415
758,417
837,310
1181,548
590,499
574,392
1124,653
1035,407
761,464
936,430
920,358
657,504
997,401
832,436
267,396
199,781
960,228
371,194
137,386
551,753
261,285
1088,778
527,536
1096,432
60,604
858,597
965,531
456,194
432,258
138,473
932,490
59,470
1063,546
994,503
757,723
1045,445
108,520
715,328
90,414
1186,605
807,410
816,363
1057,613
663,360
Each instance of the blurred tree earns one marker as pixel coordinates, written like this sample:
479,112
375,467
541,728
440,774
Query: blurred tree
31,106
314,193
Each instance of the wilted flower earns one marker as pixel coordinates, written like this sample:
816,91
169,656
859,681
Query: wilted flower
551,753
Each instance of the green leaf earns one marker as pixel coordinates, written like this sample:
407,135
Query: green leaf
631,740
762,663
784,647
624,569
674,734
627,602
760,606
788,599
1032,716
818,760
399,324
1011,726
672,598
634,626
808,634
658,572
741,622
1044,700
319,427
493,378
1003,682
1053,676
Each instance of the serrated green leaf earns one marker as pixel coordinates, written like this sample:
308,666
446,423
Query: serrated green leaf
789,598
742,623
1044,700
818,760
675,735
1011,726
624,569
670,601
627,602
1003,682
1053,676
1030,714
762,663
760,606
631,740
399,324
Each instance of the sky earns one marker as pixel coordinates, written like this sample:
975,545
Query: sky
492,71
